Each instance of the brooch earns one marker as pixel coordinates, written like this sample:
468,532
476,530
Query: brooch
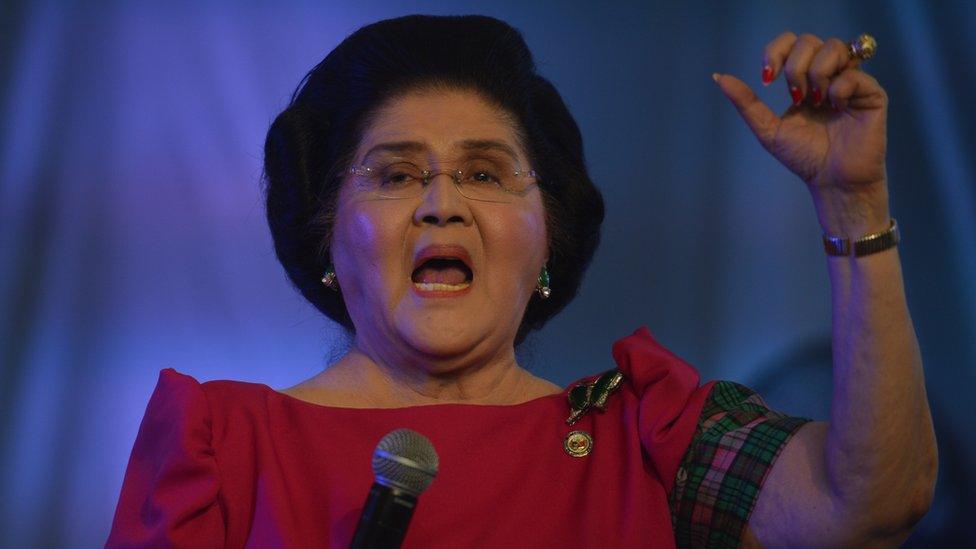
584,396
578,443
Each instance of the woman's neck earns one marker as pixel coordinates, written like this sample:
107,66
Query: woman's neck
362,380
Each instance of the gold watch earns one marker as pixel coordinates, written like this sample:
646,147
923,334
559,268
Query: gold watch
866,245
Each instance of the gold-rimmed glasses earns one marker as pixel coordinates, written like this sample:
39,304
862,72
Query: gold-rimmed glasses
488,179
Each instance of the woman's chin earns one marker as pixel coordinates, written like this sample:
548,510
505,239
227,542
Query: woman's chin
443,337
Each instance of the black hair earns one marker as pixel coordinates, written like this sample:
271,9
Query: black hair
310,144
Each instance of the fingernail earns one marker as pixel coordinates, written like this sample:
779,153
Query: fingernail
796,94
715,76
767,74
816,96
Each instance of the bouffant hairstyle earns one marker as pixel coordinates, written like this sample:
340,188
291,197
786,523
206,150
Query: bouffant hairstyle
310,144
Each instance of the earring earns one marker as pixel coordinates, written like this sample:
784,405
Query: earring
542,285
329,279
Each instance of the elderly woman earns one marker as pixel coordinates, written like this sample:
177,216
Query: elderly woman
426,189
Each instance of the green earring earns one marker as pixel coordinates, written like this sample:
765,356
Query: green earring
329,278
542,285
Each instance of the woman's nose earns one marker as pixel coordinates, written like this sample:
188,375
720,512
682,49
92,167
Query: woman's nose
442,203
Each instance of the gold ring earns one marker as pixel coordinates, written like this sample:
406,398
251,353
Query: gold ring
863,47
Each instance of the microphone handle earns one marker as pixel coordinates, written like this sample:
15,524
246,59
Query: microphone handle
385,517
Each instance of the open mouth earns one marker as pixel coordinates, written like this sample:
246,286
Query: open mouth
442,274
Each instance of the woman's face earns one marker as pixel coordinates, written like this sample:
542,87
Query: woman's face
400,308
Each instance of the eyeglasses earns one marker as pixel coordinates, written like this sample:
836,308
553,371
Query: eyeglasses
492,180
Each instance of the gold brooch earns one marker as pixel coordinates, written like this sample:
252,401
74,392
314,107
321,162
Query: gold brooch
578,443
584,396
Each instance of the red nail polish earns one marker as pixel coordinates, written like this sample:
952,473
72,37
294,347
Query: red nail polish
796,94
816,95
767,74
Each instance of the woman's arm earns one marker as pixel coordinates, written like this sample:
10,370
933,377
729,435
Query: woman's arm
868,475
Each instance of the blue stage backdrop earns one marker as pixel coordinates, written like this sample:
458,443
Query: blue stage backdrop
132,235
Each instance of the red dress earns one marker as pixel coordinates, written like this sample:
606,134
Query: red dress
234,464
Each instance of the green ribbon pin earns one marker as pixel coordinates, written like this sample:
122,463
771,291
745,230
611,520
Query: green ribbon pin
584,396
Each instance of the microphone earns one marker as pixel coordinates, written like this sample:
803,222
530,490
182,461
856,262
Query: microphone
404,464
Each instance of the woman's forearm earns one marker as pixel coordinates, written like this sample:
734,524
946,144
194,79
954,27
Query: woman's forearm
880,453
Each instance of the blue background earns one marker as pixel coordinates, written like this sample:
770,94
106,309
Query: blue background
132,235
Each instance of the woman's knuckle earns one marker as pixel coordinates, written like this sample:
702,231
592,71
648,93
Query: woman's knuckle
808,38
835,43
821,70
791,69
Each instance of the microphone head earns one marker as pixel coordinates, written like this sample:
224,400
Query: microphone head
405,459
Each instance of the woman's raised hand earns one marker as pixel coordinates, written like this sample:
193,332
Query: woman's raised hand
832,136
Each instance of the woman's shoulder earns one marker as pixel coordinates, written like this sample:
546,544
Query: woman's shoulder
215,405
645,365
665,394
650,366
177,385
668,389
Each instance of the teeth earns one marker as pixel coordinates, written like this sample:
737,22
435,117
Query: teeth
438,287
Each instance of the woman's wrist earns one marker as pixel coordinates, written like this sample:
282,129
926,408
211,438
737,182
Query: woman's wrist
851,214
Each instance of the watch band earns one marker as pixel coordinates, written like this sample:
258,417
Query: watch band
866,245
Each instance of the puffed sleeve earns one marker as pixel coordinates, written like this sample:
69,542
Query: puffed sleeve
670,400
169,494
717,484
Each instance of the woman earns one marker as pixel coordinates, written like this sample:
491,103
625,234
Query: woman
427,190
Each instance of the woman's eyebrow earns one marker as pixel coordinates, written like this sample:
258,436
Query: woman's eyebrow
489,145
396,147
467,145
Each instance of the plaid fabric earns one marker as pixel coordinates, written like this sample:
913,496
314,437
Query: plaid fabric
737,439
